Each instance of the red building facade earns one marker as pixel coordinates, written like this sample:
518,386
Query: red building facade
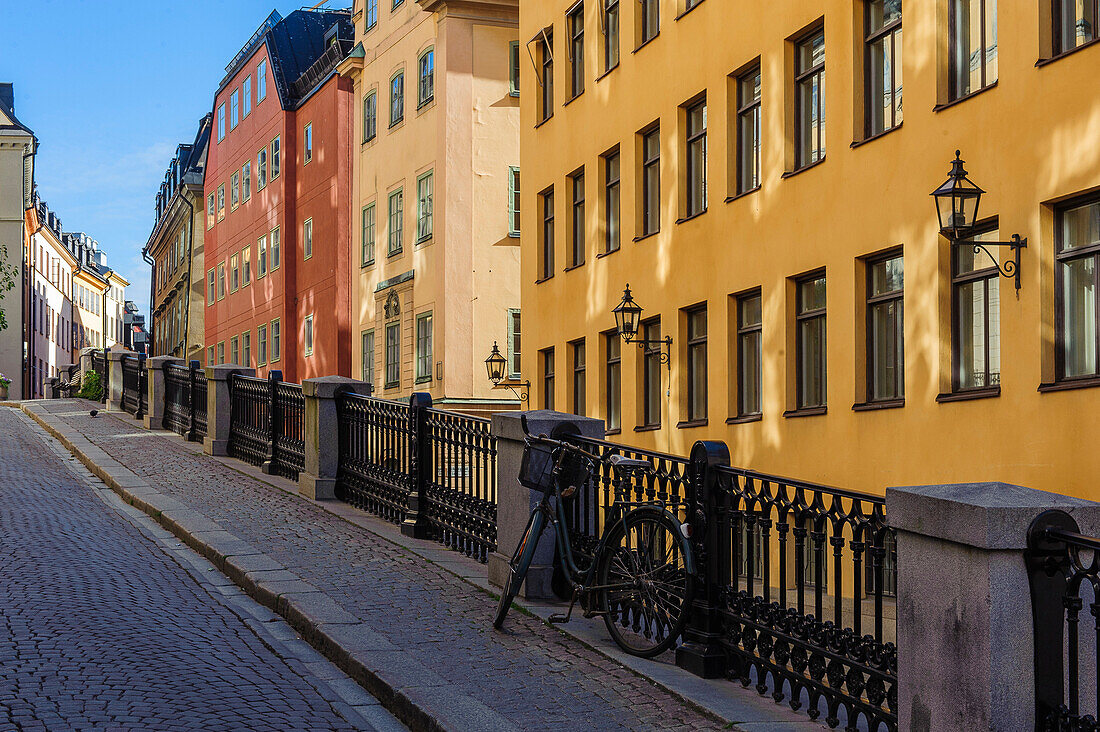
277,188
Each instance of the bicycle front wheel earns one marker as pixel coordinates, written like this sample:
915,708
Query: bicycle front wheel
517,568
645,588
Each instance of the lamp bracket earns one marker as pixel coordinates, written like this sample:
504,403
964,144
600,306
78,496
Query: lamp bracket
520,388
1010,268
665,345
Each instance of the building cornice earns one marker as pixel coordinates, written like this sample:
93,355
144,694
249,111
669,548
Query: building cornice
506,11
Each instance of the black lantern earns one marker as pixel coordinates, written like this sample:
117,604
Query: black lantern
627,316
957,201
495,365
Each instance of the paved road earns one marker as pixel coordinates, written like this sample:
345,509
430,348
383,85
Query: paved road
107,623
531,678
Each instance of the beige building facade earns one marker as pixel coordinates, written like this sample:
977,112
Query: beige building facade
17,147
435,161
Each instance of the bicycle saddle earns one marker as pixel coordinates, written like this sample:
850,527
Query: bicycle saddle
628,466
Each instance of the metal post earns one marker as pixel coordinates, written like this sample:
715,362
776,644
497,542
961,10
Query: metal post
142,386
192,372
106,375
274,418
420,466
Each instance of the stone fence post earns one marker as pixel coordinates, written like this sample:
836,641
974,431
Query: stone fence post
154,406
965,630
218,405
86,361
321,434
514,501
52,387
114,364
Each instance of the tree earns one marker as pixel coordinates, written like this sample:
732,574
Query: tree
8,275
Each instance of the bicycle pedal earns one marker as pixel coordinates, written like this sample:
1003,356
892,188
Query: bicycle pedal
558,618
589,614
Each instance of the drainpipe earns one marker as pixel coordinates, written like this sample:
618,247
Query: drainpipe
190,264
28,338
150,342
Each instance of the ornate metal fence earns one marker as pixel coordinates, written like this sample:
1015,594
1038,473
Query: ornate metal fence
460,494
185,400
265,423
1063,570
133,385
376,439
198,402
70,380
288,449
99,365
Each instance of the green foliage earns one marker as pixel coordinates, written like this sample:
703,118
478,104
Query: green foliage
91,387
8,275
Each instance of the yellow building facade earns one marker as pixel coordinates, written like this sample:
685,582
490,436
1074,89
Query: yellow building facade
436,131
751,170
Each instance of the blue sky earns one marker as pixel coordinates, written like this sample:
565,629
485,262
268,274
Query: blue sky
110,88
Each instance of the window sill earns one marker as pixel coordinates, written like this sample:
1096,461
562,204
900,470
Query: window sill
424,240
692,216
1044,61
513,234
643,237
607,71
971,95
875,406
877,135
423,379
643,45
543,121
426,103
697,4
692,423
544,279
612,432
391,386
573,98
514,94
742,194
803,169
965,396
745,419
805,412
647,428
364,265
572,267
1067,384
396,123
395,253
368,141
608,253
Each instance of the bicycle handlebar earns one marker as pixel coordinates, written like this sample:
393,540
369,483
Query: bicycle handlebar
552,442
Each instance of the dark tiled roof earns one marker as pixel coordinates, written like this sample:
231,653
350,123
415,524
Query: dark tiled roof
7,104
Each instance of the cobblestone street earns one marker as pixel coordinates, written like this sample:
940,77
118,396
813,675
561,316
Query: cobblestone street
103,625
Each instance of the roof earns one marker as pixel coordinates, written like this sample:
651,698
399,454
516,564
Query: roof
8,121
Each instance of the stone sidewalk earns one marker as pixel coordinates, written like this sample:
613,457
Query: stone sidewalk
407,619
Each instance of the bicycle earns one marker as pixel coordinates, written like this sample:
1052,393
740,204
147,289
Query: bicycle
642,572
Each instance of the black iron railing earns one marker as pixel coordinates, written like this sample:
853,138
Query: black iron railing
460,494
1063,570
69,383
265,423
288,457
376,448
100,366
322,67
133,385
185,400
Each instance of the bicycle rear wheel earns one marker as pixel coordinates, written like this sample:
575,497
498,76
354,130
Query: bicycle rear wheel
517,568
646,590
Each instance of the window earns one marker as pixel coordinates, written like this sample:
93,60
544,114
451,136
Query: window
810,345
809,100
246,181
575,23
748,130
547,198
234,108
424,347
307,239
246,348
247,91
396,4
513,68
275,248
885,329
577,221
210,287
368,234
261,81
882,65
261,345
307,337
610,34
307,143
261,169
396,216
261,256
513,343
276,149
210,210
368,356
393,355
749,354
613,383
651,373
397,98
371,14
697,158
1074,23
650,21
234,350
1078,264
611,201
513,201
547,358
578,385
221,281
425,78
234,274
370,116
697,364
221,201
221,121
234,190
651,181
976,301
276,346
972,60
424,207
547,77
221,352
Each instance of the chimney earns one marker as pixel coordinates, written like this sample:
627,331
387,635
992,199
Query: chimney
7,96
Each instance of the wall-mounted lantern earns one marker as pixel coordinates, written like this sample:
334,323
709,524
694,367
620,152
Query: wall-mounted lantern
496,366
628,319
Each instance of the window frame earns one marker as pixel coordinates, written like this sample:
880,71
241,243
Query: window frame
246,181
397,98
546,359
578,376
574,27
749,109
613,194
546,98
513,200
370,131
802,118
953,93
696,346
370,15
395,233
425,206
307,239
651,365
1056,26
744,332
261,344
898,298
546,233
394,328
234,109
246,266
425,78
648,30
424,347
307,143
649,162
367,364
577,220
613,375
276,156
261,81
986,275
261,169
513,69
234,273
261,256
276,340
693,137
308,336
1061,258
891,32
801,318
514,334
367,246
246,96
275,249
612,32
